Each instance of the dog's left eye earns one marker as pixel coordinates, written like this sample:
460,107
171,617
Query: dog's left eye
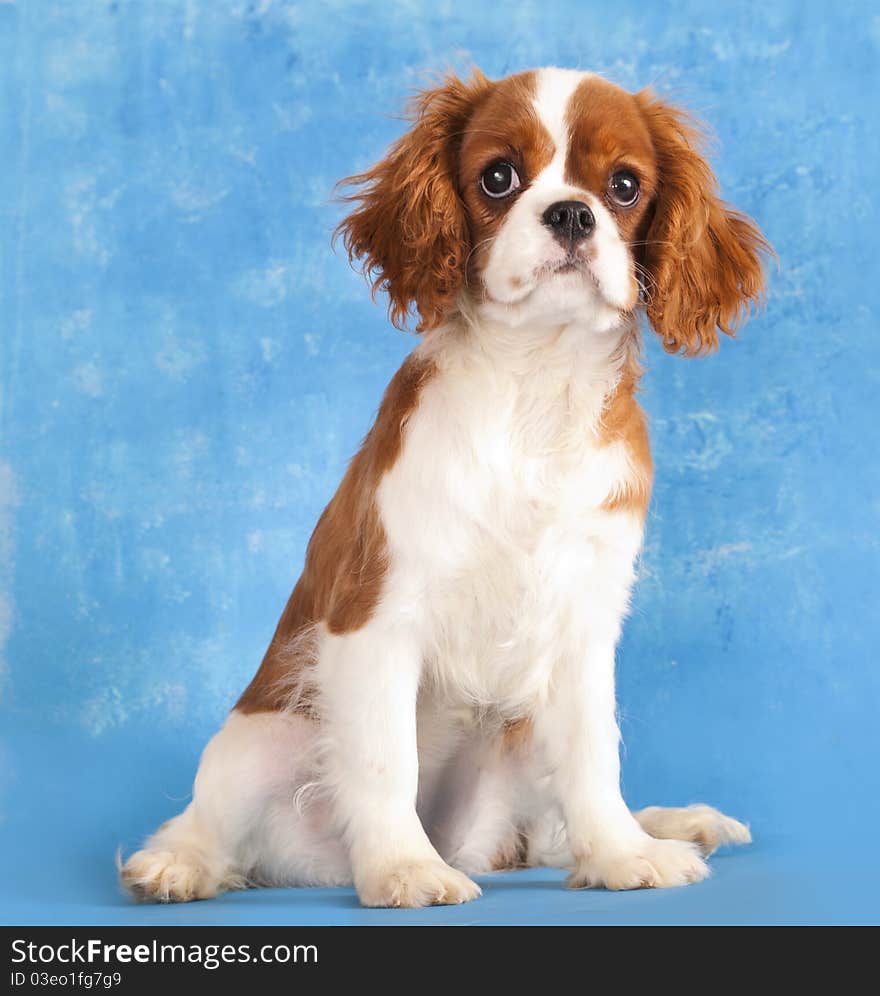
623,188
499,180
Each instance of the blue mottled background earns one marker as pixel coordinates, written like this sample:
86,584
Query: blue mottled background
186,368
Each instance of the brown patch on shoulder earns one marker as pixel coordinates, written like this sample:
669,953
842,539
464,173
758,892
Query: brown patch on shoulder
623,421
347,557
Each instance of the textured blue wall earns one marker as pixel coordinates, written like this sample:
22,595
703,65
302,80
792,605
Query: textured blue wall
186,368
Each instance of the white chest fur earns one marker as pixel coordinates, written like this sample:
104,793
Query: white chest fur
499,543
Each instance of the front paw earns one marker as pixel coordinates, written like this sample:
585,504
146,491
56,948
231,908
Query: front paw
415,884
646,864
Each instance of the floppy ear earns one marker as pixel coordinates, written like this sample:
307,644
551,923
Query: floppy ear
703,258
409,228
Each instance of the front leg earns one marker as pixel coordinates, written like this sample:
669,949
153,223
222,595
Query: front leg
368,682
580,735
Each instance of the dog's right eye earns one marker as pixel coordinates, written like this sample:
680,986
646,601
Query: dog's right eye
499,180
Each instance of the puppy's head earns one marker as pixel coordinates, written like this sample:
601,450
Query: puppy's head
549,197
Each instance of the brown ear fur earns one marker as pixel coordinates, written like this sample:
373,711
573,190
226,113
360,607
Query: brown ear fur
410,229
703,258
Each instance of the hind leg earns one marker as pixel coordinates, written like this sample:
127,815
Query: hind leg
179,863
243,825
700,824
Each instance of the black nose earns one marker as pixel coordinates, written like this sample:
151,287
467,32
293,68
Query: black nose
569,221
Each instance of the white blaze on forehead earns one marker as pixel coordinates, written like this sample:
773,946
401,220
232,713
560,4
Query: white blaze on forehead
554,90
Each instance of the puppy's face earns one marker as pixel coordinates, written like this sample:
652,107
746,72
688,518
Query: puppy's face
553,197
558,174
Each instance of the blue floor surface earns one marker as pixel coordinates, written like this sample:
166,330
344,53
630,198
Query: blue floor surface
764,886
94,798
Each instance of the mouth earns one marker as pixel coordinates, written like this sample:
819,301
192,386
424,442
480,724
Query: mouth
570,263
567,264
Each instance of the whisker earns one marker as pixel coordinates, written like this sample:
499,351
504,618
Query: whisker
649,242
647,283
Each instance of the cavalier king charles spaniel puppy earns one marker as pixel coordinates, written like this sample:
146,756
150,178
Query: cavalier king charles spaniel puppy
438,698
